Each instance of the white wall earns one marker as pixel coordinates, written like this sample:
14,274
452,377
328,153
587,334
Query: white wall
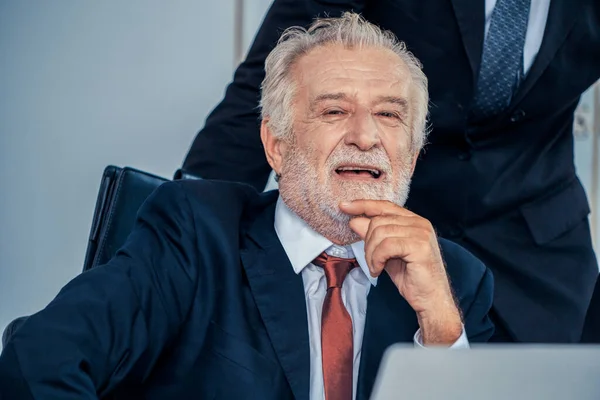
587,154
84,84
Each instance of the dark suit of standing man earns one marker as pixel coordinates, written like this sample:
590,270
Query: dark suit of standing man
504,186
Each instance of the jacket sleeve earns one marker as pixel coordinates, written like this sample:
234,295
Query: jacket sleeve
229,146
113,321
478,325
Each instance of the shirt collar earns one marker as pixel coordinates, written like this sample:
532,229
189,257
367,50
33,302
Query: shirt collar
302,244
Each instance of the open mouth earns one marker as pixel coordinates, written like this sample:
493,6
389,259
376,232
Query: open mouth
362,172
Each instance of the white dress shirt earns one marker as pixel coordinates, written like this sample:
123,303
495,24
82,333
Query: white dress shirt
302,245
538,15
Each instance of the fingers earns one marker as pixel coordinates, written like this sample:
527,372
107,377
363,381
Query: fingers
410,239
396,225
391,232
373,208
389,241
360,225
364,227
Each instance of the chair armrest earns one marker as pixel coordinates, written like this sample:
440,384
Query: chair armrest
183,174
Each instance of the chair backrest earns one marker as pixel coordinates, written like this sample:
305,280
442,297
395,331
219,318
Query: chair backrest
121,194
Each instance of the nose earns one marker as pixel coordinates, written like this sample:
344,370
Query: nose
363,131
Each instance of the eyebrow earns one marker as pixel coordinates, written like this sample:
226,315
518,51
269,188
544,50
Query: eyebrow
330,96
399,101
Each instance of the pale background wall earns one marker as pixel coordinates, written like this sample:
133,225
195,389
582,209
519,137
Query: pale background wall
587,154
88,83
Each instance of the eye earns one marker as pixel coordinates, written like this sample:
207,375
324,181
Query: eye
389,114
334,112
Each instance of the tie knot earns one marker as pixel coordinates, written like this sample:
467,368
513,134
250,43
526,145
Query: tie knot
336,269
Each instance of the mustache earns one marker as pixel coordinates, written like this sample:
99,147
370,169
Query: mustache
374,158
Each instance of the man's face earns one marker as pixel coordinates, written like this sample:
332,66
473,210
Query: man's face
351,135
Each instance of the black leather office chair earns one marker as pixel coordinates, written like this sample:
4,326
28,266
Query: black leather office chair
122,192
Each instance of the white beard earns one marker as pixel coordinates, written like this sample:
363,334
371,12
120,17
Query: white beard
317,204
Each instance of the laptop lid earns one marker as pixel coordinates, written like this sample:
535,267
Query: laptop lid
490,372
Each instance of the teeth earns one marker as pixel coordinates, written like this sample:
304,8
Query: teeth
375,173
357,170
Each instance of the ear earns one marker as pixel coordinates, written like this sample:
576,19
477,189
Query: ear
275,147
414,163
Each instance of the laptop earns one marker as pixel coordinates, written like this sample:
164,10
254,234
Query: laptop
490,372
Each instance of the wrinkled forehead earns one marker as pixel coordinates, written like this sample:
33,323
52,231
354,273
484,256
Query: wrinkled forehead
357,71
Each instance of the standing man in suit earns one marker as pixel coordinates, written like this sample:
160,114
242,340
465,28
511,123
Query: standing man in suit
497,175
222,292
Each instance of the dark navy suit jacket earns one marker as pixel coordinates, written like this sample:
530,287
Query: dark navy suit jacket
202,303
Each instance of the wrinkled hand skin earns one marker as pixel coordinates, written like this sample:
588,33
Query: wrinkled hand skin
405,245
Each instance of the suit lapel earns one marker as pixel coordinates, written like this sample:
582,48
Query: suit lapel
279,296
390,319
561,19
470,16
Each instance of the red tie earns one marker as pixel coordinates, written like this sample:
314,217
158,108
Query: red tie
336,330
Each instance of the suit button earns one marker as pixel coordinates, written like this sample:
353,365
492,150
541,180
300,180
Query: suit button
517,116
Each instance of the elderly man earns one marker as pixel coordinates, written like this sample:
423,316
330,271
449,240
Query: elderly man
222,292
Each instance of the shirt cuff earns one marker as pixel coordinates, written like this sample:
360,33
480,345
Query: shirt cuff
461,343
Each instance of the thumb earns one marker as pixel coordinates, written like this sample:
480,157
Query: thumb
360,225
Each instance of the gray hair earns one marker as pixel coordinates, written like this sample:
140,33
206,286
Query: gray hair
351,30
